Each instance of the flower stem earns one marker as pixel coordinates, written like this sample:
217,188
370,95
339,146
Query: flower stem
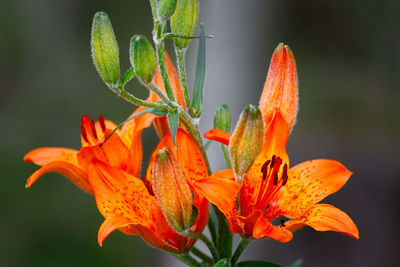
187,259
198,253
242,245
226,156
206,241
224,236
180,54
164,72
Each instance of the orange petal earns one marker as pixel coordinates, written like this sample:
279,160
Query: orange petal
44,155
73,172
226,174
310,182
118,193
223,193
218,135
189,157
264,228
280,89
324,217
109,226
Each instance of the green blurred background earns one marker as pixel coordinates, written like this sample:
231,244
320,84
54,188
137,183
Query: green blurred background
348,59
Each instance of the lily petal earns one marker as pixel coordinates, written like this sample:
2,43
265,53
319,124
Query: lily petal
44,155
309,183
110,225
72,171
324,217
264,228
280,89
218,135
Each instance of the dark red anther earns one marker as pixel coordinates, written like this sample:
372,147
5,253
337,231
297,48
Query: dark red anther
83,133
264,175
273,161
284,175
93,128
102,124
278,163
264,167
147,184
275,178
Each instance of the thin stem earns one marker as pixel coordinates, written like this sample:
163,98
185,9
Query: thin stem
242,245
151,86
198,253
164,72
187,259
121,92
226,156
206,241
224,236
180,54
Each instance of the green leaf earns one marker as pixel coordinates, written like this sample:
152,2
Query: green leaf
212,224
127,77
297,263
223,263
222,118
257,264
173,121
200,73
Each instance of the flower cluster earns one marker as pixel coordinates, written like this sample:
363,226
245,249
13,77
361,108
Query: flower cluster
169,206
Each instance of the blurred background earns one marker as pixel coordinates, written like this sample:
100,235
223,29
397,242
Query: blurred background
348,60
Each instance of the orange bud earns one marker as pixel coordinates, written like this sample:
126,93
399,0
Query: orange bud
280,89
246,141
171,190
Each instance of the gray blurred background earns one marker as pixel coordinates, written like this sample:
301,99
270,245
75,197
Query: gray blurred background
348,59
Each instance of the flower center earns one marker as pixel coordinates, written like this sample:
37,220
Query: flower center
90,133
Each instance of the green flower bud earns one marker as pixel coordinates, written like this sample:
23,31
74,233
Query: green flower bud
143,58
165,9
184,21
246,141
222,119
105,52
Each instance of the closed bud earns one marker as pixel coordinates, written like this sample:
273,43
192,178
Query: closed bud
222,119
184,21
143,58
165,9
105,52
171,190
246,141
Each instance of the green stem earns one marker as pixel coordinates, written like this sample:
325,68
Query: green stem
198,253
206,241
164,72
121,92
187,259
180,54
224,236
151,86
242,245
226,156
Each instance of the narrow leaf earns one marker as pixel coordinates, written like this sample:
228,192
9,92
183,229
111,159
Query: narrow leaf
213,224
257,264
127,77
200,73
222,263
173,121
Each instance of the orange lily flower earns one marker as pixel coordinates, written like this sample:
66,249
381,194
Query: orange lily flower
270,188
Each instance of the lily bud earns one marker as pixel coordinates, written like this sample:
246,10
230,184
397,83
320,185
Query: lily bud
184,21
222,119
281,87
171,190
105,52
246,141
165,9
143,58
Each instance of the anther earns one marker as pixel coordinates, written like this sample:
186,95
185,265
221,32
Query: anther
278,163
273,161
284,175
147,184
102,124
275,178
283,223
93,129
264,167
83,133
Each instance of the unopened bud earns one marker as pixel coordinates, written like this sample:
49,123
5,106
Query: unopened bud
184,21
171,190
222,119
165,9
246,141
143,58
105,52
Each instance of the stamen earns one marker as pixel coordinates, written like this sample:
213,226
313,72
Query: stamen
83,133
273,161
283,223
102,124
147,184
264,167
275,178
93,129
278,163
284,175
